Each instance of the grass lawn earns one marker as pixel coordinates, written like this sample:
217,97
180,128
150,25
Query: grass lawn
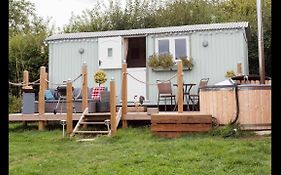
135,151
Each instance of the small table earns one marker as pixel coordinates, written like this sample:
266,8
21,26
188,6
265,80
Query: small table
186,91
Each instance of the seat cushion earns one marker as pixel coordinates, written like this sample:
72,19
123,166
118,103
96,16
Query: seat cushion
49,95
95,94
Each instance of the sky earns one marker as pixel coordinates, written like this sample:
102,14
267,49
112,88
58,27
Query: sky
60,10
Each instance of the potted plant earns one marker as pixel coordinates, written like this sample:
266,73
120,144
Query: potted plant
229,74
166,61
153,61
187,63
100,77
160,61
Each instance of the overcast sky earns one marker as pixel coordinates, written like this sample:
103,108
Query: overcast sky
60,10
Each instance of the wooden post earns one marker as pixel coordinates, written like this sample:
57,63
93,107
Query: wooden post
260,43
41,98
25,86
239,68
46,83
84,86
180,86
113,107
124,95
25,79
69,107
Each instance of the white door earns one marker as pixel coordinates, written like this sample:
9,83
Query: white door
109,52
135,87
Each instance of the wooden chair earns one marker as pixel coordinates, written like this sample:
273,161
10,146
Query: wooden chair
164,92
194,98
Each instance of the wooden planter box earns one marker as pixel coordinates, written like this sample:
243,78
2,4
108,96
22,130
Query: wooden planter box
173,68
175,124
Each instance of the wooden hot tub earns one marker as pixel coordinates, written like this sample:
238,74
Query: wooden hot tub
254,104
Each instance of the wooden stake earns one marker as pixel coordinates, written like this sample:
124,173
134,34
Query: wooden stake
180,86
239,68
41,98
84,86
25,79
69,107
113,107
26,82
124,95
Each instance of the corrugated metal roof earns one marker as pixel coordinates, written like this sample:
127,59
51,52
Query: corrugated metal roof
144,31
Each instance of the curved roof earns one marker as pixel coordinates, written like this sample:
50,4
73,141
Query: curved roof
147,31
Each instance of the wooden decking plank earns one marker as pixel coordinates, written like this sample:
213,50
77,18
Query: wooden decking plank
98,114
92,123
54,117
36,117
182,119
137,116
181,127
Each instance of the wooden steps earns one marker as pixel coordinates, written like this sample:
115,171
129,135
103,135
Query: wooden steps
86,120
92,123
176,124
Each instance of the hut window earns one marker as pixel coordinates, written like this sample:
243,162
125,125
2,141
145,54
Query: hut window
109,52
163,46
180,48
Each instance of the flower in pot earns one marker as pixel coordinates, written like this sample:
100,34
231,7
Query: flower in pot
166,60
188,63
153,61
100,77
229,74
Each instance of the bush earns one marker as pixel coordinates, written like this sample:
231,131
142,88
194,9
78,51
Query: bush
15,104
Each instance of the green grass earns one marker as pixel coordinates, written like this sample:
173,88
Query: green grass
135,151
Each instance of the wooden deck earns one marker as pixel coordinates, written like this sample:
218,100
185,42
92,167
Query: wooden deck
164,124
51,116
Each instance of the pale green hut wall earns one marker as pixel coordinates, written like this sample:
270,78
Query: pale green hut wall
225,49
65,61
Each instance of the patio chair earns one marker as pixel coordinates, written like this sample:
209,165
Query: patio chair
165,92
194,98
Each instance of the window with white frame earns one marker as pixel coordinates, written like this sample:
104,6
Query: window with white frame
109,52
177,46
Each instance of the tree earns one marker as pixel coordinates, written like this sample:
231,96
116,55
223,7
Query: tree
136,14
153,13
27,51
20,13
239,10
